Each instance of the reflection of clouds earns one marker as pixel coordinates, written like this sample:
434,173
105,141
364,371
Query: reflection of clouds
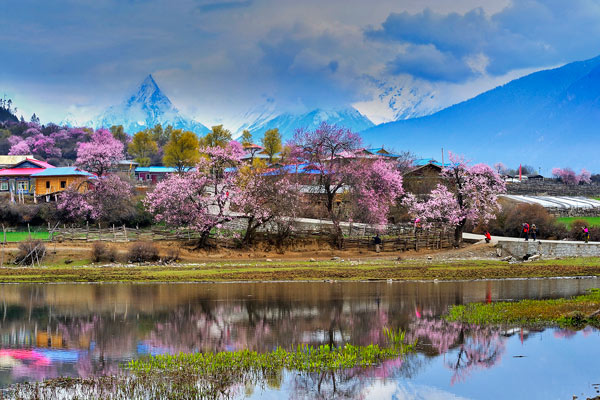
407,391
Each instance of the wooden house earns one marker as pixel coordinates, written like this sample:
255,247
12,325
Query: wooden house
18,179
55,180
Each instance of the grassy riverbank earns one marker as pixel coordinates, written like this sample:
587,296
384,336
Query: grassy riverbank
290,270
572,312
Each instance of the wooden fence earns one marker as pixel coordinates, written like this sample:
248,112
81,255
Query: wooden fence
394,238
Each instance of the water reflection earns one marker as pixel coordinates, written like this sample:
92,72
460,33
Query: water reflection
86,330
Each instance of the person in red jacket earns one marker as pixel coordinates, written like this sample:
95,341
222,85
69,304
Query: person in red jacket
488,237
526,231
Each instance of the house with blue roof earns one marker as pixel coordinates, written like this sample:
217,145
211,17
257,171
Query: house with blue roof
154,174
55,180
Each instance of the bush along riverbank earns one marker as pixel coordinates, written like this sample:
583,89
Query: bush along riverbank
212,375
574,312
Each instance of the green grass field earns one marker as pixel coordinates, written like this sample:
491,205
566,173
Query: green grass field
20,236
592,221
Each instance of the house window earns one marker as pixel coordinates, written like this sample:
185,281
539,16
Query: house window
4,186
63,184
22,185
47,184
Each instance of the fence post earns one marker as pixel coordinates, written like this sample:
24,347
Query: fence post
29,230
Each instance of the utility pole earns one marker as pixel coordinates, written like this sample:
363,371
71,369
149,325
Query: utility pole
442,157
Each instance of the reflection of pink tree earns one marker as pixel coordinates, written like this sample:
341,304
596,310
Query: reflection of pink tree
481,348
477,347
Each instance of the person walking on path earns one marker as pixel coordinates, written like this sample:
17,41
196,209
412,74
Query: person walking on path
377,241
533,230
526,231
586,234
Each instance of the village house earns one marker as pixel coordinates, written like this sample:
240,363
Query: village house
55,180
423,176
18,179
153,175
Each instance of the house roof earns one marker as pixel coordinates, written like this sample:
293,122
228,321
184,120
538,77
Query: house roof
421,162
62,171
156,169
294,169
19,171
11,160
42,164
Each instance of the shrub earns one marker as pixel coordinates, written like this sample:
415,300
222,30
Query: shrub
142,252
172,256
31,252
102,252
509,221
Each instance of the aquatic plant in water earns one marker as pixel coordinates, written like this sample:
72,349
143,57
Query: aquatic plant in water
212,375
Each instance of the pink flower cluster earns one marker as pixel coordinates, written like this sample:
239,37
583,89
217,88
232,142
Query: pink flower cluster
569,177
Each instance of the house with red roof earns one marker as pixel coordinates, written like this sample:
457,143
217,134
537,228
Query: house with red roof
17,178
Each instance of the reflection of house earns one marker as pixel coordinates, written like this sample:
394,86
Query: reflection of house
18,178
55,180
153,174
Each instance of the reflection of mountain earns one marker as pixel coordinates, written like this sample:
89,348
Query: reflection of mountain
144,109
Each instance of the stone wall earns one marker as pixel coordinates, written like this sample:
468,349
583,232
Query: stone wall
552,188
574,212
549,249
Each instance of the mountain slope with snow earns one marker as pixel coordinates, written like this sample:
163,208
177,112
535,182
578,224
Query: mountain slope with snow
144,109
288,123
541,119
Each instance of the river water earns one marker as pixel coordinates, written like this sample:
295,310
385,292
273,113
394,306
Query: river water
50,330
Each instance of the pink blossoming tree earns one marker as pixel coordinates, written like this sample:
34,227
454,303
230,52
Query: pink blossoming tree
109,200
265,196
569,177
199,199
102,152
19,148
469,193
375,186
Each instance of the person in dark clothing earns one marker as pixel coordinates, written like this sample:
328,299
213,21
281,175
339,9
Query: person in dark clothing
586,234
533,230
377,242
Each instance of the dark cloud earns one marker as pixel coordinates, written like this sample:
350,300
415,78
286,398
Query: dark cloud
525,34
428,62
223,5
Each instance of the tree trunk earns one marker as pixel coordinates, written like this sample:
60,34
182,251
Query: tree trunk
458,232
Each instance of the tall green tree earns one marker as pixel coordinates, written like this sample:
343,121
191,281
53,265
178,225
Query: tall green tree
119,133
272,143
142,147
161,136
218,137
181,151
246,138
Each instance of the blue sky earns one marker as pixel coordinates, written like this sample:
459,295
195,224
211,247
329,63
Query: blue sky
216,59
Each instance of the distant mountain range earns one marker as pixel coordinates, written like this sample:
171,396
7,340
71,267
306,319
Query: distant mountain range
546,119
288,123
149,106
145,108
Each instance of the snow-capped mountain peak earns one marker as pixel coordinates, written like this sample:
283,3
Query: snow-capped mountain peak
145,108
